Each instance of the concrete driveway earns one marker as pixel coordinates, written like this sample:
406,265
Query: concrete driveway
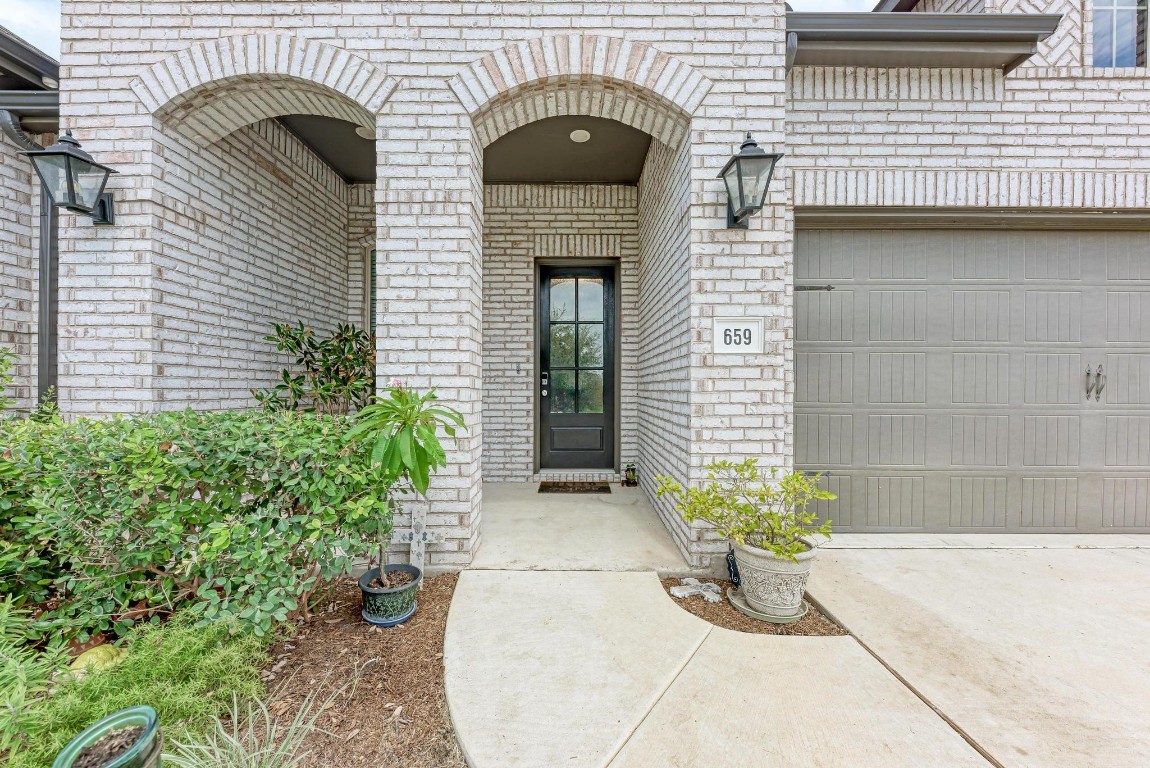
1036,649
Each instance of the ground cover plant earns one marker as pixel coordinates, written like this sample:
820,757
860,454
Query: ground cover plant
190,675
234,515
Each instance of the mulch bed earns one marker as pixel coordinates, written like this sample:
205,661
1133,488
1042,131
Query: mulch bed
394,713
725,615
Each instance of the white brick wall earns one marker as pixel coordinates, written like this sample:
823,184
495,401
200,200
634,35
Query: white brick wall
522,223
260,239
18,269
951,6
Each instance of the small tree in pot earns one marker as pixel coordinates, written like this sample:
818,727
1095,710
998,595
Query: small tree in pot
767,518
403,429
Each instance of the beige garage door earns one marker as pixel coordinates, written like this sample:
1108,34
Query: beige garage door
941,378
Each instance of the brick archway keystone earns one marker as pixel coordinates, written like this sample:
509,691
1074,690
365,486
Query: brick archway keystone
581,74
211,89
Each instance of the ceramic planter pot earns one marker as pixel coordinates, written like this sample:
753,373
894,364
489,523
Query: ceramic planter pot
773,585
388,607
144,753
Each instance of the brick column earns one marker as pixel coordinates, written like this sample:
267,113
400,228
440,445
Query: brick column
429,262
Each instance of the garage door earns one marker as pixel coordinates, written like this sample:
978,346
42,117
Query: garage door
942,378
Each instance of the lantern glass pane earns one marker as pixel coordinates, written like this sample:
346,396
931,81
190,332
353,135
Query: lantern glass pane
756,173
52,170
88,182
731,179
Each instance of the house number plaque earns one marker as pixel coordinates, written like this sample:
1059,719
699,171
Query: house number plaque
738,336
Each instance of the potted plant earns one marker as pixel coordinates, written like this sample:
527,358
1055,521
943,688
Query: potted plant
402,428
130,738
768,520
630,476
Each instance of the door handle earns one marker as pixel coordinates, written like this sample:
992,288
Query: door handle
1099,384
1089,382
544,378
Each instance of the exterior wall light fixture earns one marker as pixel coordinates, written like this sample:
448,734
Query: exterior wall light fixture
73,179
747,176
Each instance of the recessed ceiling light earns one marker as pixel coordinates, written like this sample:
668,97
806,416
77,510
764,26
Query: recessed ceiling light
49,82
579,136
364,132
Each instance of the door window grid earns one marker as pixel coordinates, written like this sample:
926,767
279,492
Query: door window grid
1121,33
577,337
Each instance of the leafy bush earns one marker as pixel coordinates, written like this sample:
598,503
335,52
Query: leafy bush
236,514
25,674
753,507
7,360
27,566
336,373
189,674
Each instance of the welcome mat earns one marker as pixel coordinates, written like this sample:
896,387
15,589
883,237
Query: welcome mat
572,486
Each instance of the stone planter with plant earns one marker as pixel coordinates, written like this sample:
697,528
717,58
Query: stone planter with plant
767,518
402,427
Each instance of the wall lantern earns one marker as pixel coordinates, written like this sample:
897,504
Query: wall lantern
747,176
73,179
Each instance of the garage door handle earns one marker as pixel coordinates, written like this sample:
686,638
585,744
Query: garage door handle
1099,384
1089,382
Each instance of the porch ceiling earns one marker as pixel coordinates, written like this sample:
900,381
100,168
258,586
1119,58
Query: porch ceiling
543,152
337,144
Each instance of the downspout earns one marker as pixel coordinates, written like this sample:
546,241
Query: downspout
47,356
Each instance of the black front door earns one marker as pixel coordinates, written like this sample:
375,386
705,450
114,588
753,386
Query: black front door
577,367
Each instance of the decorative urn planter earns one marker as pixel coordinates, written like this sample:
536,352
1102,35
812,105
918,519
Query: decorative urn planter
130,738
772,585
388,607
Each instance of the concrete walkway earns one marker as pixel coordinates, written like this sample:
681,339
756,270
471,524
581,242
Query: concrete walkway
524,530
1039,652
603,670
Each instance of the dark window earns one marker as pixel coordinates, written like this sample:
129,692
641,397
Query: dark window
1120,33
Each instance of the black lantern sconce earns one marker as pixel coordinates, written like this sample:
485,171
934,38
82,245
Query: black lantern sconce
73,179
747,176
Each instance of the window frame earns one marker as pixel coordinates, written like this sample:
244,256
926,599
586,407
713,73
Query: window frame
1140,12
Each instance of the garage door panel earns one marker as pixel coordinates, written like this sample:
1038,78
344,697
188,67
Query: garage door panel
1053,316
1128,379
824,377
943,379
978,502
1051,441
1128,316
825,315
897,378
979,441
1126,502
897,315
1127,441
980,316
1053,378
895,501
979,378
1049,502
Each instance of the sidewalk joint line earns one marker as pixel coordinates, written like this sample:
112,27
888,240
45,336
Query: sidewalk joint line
678,672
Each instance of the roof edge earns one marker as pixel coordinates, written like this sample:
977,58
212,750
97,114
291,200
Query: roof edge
923,27
895,6
26,61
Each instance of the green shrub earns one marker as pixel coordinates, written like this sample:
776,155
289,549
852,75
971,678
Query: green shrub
334,375
750,506
235,514
7,361
189,674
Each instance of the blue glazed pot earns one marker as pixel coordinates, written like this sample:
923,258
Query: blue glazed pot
388,607
145,753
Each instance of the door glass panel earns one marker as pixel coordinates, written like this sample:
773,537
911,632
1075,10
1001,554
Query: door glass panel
563,392
590,299
591,345
590,391
563,298
563,345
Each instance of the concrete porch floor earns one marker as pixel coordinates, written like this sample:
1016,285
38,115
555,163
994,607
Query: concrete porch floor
524,530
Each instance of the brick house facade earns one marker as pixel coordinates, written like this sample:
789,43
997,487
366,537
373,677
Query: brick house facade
227,221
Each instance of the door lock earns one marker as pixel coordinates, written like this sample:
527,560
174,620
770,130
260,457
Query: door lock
543,381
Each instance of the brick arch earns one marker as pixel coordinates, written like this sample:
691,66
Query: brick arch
211,89
581,74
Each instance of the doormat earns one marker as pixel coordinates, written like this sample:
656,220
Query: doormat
571,486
